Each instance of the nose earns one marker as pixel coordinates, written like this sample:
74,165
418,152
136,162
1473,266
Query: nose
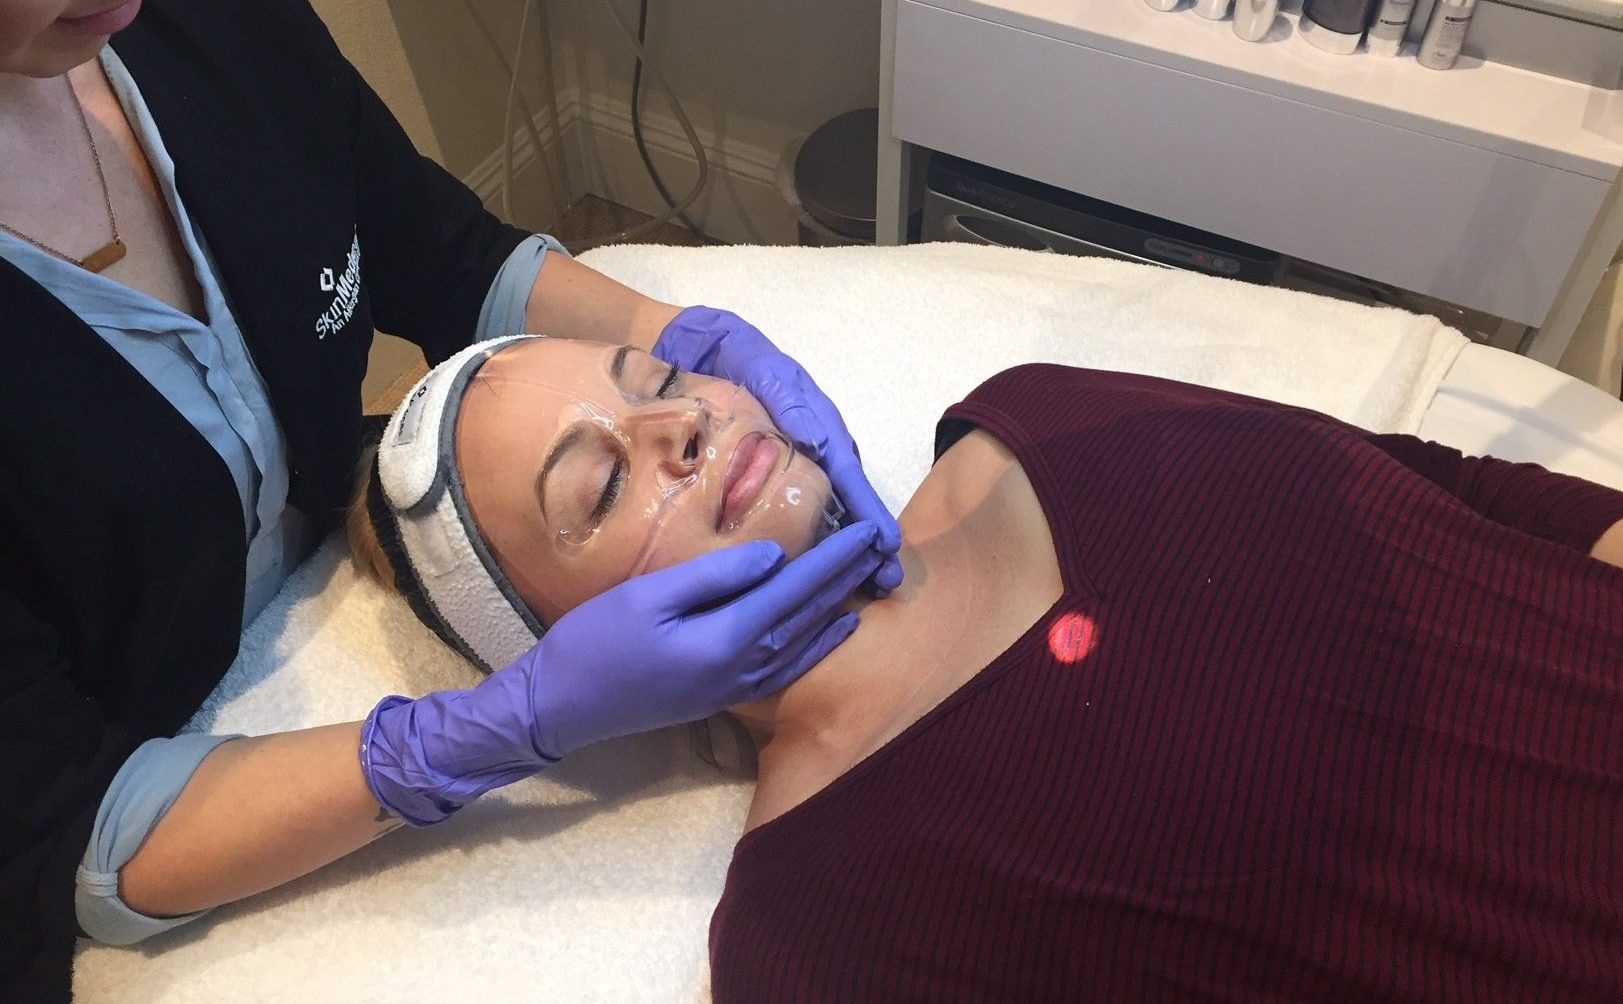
672,434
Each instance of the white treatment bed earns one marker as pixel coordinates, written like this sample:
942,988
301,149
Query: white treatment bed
596,881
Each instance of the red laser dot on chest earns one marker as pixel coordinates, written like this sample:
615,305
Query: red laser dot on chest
1072,637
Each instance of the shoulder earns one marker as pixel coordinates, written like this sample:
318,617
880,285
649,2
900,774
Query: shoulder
1041,401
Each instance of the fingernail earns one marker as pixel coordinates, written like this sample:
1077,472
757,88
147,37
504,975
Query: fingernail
889,576
891,537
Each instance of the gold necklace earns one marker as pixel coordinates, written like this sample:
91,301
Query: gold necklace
114,249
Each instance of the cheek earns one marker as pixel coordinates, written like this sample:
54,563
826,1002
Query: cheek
684,534
564,576
730,399
570,577
798,515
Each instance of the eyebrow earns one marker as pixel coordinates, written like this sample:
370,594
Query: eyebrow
562,446
617,365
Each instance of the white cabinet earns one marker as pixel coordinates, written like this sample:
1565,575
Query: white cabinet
1478,185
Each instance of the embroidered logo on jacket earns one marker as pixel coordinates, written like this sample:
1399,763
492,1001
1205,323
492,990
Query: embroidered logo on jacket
346,292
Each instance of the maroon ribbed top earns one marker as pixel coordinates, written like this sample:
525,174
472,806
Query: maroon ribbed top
1321,715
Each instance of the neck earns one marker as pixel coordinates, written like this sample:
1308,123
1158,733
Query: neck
20,93
26,101
889,659
980,568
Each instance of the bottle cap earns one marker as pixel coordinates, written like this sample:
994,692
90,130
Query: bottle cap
1338,42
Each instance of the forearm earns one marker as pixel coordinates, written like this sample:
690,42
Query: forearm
571,300
1609,548
257,812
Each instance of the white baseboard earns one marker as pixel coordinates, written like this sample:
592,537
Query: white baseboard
741,203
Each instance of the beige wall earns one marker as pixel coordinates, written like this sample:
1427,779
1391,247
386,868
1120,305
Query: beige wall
760,71
365,31
434,69
752,74
461,78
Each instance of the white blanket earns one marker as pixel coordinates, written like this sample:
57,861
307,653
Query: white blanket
596,881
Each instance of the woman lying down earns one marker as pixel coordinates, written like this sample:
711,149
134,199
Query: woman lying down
1185,695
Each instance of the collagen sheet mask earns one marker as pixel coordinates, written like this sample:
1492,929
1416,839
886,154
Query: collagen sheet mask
633,467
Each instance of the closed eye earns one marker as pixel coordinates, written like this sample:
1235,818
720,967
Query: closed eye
669,384
611,492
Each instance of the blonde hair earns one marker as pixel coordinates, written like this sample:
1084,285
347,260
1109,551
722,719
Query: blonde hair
365,550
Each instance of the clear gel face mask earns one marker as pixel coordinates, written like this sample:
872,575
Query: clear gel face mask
627,468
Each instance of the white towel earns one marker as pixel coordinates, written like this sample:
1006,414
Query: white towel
595,882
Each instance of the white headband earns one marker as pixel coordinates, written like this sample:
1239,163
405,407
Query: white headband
462,587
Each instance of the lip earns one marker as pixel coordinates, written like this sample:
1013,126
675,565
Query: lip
750,467
103,22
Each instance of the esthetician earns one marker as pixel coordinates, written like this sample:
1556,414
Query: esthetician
201,223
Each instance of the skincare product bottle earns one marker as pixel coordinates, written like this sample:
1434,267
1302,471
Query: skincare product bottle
1217,10
1164,4
1390,25
1445,33
1254,19
1336,25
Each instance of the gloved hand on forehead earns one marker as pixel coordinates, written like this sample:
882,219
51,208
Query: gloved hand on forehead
671,646
721,344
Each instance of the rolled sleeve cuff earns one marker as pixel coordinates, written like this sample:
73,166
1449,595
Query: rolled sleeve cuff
142,791
503,310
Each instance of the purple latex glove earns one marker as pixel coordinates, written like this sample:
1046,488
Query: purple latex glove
721,344
672,646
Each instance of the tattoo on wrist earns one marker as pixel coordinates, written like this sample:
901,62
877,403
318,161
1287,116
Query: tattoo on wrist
386,821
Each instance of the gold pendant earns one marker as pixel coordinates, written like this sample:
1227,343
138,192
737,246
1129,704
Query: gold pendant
101,258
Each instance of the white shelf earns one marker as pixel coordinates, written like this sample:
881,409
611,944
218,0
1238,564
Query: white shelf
1546,120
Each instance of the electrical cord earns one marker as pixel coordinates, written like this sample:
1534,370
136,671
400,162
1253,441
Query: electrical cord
549,87
676,209
703,177
507,121
559,200
636,121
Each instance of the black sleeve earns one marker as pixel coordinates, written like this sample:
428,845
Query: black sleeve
58,754
429,248
1526,497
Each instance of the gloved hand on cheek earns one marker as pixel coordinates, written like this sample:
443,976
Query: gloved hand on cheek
721,344
672,646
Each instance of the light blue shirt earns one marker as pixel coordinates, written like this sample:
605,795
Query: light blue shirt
202,366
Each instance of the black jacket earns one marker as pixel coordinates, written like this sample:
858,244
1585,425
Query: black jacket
121,541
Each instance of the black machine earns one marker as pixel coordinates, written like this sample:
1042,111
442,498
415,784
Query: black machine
964,201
